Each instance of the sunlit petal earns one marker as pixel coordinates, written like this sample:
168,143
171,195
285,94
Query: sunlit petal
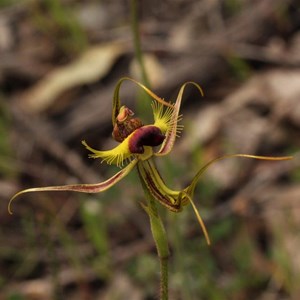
83,188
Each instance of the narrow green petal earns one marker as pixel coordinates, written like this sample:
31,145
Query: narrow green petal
173,200
174,128
82,188
116,98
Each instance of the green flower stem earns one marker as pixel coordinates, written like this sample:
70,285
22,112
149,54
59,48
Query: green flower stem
161,241
164,278
157,227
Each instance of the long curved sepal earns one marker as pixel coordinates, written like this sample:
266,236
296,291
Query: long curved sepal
187,193
175,129
83,188
190,189
116,98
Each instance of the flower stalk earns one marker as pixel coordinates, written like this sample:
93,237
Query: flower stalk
157,227
161,241
138,145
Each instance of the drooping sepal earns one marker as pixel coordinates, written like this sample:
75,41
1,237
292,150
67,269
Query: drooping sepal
82,188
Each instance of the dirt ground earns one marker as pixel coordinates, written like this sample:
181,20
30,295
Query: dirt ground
60,61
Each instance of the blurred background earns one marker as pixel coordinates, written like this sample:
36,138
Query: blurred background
59,63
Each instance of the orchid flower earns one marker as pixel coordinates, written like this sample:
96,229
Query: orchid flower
138,145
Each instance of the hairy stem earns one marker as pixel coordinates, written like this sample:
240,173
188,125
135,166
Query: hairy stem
160,239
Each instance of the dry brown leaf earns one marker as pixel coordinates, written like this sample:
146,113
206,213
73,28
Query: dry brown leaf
277,89
90,67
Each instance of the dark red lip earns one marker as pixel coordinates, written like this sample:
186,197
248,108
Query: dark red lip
145,136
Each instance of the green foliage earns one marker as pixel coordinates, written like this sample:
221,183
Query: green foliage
232,7
239,67
295,175
7,166
194,265
15,296
144,270
56,19
285,273
5,3
95,227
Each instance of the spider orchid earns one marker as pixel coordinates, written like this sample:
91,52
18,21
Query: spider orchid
138,145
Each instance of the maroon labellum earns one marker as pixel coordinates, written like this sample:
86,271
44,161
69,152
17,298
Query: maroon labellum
145,136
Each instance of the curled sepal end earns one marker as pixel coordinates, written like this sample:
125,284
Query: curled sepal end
11,200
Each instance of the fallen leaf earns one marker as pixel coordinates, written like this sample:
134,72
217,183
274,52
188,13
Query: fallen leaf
88,68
